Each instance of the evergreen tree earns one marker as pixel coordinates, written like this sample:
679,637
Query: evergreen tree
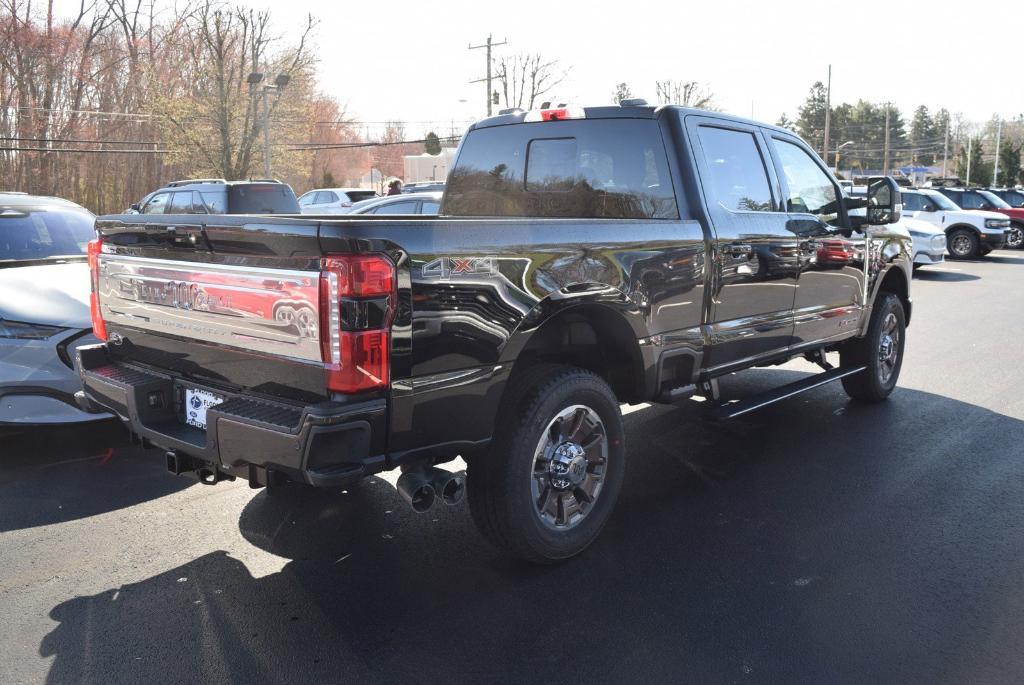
1009,163
784,122
923,138
432,146
810,123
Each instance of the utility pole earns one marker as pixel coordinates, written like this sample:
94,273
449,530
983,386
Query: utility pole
885,150
259,89
828,114
999,131
489,44
945,149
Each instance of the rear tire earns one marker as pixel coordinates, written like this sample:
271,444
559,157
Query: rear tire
963,244
549,483
881,351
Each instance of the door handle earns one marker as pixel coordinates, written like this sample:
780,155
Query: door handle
737,250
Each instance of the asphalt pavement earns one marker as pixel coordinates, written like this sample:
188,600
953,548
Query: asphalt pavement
818,540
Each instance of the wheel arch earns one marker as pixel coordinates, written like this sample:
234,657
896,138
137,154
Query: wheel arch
895,281
598,336
970,227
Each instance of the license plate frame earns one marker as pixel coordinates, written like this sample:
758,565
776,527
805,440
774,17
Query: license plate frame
196,403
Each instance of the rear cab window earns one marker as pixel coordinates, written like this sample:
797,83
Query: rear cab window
360,195
592,168
262,198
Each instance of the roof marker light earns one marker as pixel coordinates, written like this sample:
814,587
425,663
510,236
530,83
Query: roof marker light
555,114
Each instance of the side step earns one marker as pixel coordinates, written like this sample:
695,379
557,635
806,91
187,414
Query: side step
734,409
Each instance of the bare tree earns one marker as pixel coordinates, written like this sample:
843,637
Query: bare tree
524,78
622,92
105,104
685,93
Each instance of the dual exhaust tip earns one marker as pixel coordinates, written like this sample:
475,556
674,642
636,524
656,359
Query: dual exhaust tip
421,487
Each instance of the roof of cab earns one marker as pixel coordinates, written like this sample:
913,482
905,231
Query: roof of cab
627,112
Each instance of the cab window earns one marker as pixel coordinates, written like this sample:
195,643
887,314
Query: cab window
972,200
912,202
157,204
397,208
181,203
736,169
808,188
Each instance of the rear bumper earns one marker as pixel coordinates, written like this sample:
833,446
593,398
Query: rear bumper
325,445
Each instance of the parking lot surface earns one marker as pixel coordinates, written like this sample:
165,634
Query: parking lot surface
818,540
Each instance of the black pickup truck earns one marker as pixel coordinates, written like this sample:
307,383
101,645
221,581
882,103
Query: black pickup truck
583,258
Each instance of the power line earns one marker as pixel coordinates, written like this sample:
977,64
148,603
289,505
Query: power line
86,150
80,140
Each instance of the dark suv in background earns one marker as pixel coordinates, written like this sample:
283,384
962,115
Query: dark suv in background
977,198
217,196
1011,196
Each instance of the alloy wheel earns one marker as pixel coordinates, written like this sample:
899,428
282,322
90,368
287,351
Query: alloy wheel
1015,238
569,467
960,245
888,348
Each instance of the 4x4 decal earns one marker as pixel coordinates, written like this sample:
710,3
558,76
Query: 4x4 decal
446,267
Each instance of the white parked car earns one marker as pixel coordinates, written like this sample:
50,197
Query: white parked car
407,203
333,200
929,241
969,233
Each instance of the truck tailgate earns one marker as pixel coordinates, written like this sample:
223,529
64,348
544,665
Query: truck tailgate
232,305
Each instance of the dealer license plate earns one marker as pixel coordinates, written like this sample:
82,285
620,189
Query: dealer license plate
197,402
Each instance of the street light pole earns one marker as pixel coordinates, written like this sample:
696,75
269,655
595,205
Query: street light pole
970,144
266,135
838,148
999,131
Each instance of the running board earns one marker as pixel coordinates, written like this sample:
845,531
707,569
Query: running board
734,409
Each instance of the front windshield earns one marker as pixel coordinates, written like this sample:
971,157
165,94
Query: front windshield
994,200
942,201
29,233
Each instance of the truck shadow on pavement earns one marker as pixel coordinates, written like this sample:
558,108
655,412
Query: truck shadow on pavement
819,540
52,474
947,276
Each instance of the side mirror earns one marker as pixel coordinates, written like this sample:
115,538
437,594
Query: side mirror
928,208
137,207
884,201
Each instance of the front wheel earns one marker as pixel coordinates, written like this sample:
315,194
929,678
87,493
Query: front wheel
1015,238
963,244
881,351
549,484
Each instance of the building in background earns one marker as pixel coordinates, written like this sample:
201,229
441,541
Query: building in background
424,167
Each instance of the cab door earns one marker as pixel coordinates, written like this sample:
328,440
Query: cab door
830,287
756,256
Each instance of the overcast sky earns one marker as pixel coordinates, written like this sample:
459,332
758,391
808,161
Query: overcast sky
408,60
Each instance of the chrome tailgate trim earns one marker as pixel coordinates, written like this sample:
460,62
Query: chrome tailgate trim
271,311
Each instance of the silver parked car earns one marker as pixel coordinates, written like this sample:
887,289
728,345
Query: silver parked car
333,200
44,308
411,203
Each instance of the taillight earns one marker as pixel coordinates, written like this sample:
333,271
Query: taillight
357,303
99,326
